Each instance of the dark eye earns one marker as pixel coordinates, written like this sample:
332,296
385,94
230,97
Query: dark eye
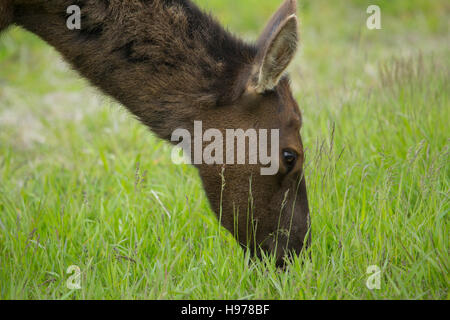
289,158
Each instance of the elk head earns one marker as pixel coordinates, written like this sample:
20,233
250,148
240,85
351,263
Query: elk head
267,211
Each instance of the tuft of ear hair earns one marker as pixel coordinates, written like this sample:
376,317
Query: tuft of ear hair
276,47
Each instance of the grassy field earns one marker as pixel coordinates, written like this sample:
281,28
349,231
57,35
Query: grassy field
78,175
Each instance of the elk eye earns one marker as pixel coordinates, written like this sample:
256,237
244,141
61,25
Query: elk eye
290,158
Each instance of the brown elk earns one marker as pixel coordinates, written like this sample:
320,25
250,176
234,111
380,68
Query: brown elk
170,64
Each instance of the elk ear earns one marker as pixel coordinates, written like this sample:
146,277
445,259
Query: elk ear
276,47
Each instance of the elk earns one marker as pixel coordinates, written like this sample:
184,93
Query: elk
170,64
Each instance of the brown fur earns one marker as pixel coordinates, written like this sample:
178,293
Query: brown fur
6,14
171,64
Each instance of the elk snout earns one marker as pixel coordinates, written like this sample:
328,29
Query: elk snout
292,231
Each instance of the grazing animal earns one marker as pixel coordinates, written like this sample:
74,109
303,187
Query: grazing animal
170,64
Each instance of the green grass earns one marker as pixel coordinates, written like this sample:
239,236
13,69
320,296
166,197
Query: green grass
77,172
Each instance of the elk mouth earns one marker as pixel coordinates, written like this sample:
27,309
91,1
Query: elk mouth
283,248
292,233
